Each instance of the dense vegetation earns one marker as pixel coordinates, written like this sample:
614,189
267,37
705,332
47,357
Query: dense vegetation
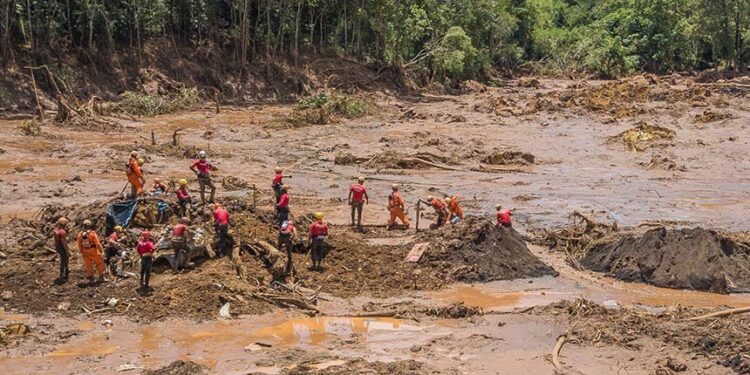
436,39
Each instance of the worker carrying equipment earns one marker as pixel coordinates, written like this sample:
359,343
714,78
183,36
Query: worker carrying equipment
455,210
396,208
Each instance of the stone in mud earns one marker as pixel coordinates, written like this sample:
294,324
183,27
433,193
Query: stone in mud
696,259
178,368
478,251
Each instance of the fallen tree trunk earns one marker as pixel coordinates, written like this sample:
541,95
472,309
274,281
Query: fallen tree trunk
556,352
431,164
720,314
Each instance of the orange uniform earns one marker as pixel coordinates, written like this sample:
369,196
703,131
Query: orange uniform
396,208
455,209
91,249
135,176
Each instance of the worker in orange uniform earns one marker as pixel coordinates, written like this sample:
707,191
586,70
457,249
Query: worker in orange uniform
396,208
317,237
503,217
60,234
92,250
357,199
455,210
159,187
440,210
135,175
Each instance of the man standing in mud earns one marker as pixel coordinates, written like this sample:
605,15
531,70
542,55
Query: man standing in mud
440,211
135,175
60,234
221,226
278,182
114,251
286,237
179,241
396,208
147,250
317,236
202,169
183,198
357,199
282,208
92,250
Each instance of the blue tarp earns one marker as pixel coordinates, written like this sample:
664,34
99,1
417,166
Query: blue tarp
120,213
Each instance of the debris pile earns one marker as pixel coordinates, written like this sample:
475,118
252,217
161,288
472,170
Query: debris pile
508,158
725,339
179,368
695,258
478,251
575,238
643,136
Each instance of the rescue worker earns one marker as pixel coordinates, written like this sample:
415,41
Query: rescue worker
278,182
440,210
282,208
286,237
159,187
91,249
114,251
183,198
396,208
135,175
357,199
202,169
147,250
455,210
179,240
221,226
317,236
503,217
60,234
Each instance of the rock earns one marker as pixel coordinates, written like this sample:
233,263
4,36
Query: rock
224,311
415,348
6,295
112,302
63,306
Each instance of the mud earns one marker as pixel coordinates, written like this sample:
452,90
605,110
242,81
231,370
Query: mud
478,251
723,340
696,259
178,368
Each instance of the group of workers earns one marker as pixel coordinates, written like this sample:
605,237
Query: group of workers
95,256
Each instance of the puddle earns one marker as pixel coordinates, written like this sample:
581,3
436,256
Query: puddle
215,343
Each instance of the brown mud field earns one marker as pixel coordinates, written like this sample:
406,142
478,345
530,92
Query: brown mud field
656,163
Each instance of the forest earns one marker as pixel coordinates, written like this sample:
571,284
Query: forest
438,39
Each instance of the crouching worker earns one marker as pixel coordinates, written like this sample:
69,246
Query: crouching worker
286,237
159,188
317,236
221,227
179,240
440,210
115,252
147,250
92,250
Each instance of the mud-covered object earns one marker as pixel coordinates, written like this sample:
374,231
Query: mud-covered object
696,259
478,251
179,368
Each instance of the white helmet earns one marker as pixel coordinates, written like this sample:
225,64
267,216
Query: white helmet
202,154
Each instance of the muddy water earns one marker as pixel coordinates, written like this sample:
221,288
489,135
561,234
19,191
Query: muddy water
214,343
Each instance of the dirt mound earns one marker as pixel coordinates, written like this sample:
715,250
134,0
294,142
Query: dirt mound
676,258
643,136
725,339
509,157
179,368
478,251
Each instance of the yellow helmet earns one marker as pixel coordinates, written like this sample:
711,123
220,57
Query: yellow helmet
319,215
447,199
117,228
183,182
140,161
361,179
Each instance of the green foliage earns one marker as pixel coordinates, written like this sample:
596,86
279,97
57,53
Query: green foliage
439,39
326,108
31,128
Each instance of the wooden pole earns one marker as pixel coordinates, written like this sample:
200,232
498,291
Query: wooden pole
36,95
419,209
255,197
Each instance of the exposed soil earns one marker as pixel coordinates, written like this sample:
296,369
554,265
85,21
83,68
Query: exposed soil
478,251
179,368
725,340
696,259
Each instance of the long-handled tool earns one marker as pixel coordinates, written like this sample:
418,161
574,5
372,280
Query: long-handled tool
419,213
